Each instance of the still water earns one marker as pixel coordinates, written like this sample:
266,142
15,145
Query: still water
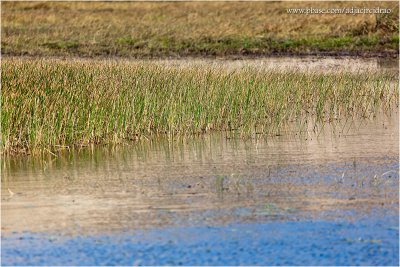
342,173
313,64
317,64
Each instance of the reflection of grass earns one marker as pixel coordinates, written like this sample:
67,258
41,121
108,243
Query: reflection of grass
219,184
179,29
359,182
271,209
52,103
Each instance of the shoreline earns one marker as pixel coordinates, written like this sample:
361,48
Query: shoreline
237,56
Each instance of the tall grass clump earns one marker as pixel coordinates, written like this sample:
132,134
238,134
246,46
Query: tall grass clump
48,104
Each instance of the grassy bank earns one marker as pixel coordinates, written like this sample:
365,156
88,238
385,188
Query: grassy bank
48,104
140,30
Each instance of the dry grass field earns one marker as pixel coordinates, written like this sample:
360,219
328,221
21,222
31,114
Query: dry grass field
142,30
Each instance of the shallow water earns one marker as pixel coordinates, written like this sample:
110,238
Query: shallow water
367,242
317,64
207,181
308,199
314,64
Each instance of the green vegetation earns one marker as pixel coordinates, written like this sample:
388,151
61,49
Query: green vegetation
51,104
143,30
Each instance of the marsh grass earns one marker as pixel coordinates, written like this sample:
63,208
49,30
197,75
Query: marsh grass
54,104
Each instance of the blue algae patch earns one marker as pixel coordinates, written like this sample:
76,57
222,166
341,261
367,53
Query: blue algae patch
277,243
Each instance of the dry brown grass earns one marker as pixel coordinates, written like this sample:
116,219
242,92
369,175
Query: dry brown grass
191,28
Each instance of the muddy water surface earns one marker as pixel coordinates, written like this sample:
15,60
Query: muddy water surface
207,181
314,64
318,64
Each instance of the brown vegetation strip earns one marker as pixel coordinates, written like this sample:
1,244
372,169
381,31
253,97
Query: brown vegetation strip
141,30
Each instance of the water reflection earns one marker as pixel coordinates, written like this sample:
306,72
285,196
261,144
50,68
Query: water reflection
318,64
206,180
388,63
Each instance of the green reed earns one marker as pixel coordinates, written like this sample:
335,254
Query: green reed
51,104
